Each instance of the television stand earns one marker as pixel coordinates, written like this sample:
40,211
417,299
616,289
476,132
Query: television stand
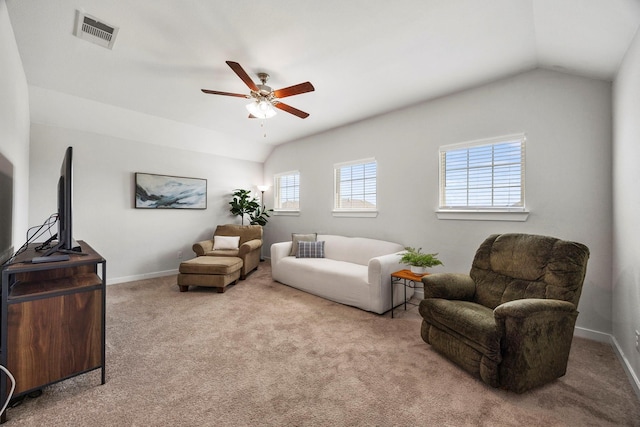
52,320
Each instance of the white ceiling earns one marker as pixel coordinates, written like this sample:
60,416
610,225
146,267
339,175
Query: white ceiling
364,57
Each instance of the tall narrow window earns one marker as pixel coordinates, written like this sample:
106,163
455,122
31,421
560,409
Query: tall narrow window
356,186
483,175
287,192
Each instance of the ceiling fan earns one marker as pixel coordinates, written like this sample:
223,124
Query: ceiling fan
263,97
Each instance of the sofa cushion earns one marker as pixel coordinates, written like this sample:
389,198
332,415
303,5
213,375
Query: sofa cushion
298,237
472,323
224,252
310,249
339,281
210,265
226,242
357,250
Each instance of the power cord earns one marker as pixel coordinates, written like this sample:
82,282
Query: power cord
13,387
41,229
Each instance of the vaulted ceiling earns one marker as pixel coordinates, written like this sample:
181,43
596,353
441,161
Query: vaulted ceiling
364,57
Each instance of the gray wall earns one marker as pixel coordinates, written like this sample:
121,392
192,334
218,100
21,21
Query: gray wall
137,243
14,123
567,121
626,204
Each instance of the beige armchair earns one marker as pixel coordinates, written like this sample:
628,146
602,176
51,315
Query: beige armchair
510,321
248,250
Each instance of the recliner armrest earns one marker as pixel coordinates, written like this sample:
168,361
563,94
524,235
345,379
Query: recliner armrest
528,307
200,248
535,342
249,246
454,286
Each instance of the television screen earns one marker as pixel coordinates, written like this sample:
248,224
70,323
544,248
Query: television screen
65,199
6,209
66,242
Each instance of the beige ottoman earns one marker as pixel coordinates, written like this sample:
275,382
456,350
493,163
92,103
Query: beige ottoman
211,271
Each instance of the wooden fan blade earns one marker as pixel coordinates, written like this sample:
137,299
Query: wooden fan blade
215,92
291,110
237,68
294,90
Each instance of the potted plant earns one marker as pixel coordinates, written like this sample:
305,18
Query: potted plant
243,204
259,216
418,261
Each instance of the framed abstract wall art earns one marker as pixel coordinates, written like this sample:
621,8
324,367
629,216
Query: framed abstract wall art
170,192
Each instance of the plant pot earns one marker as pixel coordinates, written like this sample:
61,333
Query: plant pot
418,270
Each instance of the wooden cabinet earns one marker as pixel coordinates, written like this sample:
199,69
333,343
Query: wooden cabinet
52,320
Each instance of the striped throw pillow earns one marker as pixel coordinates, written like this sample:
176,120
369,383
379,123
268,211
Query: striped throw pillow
310,249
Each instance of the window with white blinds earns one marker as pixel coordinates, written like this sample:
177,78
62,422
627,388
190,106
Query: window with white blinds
356,186
483,175
287,191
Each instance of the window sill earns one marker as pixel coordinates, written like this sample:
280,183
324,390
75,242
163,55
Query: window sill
462,215
355,214
286,213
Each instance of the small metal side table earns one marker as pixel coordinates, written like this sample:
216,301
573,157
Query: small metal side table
408,280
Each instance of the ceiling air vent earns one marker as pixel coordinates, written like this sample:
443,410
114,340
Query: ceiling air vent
94,30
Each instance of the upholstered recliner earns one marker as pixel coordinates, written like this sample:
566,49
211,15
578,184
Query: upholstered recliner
510,321
249,245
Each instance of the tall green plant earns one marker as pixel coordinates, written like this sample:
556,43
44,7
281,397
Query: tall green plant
259,216
243,204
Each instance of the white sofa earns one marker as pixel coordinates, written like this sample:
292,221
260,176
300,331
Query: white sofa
355,271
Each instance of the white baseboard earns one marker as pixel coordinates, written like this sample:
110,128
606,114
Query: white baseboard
124,279
611,340
592,335
633,378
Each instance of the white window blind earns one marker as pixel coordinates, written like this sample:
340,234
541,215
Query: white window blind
487,174
287,191
356,186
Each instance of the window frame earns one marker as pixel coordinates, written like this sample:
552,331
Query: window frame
480,212
277,209
340,211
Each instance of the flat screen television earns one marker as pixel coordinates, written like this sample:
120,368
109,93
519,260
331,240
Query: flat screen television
6,209
65,242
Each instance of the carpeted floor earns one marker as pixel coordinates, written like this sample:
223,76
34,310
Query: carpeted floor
266,354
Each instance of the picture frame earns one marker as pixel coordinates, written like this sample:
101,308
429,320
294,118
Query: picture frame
153,191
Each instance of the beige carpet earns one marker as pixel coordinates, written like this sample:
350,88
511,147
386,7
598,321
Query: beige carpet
266,354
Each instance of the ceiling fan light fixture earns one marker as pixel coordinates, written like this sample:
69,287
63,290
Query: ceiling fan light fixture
264,98
261,109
